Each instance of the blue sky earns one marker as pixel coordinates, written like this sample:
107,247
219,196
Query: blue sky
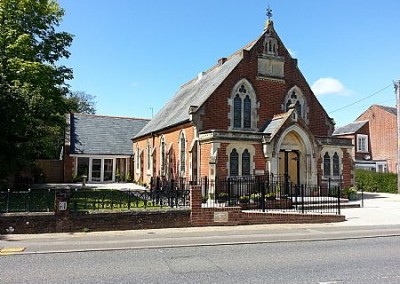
133,55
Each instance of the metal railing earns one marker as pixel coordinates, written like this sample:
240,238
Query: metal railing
35,200
268,193
100,200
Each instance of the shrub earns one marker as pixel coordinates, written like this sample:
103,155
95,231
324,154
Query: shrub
376,182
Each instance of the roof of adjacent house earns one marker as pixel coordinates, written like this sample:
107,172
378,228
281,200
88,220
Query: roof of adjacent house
103,135
350,128
192,94
391,110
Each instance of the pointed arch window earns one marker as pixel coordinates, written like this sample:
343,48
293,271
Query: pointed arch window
296,99
237,112
234,163
162,156
243,106
182,158
246,163
298,108
336,165
148,154
327,164
247,112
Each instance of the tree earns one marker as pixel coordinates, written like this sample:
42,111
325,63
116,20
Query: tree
33,87
82,102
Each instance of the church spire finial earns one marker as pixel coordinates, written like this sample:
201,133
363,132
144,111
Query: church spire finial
269,13
269,18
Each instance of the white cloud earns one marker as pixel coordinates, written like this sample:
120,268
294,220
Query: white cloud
329,86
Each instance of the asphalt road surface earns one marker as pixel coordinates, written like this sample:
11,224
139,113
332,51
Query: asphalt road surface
366,260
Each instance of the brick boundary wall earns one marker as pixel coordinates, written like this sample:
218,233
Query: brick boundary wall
65,221
230,216
37,223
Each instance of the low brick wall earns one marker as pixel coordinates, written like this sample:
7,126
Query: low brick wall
64,221
230,216
35,223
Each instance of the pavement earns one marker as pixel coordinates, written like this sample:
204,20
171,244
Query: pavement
379,216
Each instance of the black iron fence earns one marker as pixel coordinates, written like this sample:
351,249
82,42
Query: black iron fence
270,193
38,200
98,200
264,193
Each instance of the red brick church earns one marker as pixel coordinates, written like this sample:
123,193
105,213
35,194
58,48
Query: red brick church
253,113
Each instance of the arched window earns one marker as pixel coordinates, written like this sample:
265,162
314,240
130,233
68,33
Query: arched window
327,164
237,112
298,108
148,156
234,163
162,156
247,112
270,45
246,163
182,158
336,165
137,160
296,98
243,106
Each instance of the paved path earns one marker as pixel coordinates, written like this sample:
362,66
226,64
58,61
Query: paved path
379,209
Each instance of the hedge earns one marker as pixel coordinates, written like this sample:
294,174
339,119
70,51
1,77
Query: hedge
376,182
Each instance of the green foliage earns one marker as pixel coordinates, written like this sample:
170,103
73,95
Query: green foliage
82,102
33,91
244,199
376,182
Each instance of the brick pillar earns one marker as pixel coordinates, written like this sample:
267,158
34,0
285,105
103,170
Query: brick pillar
61,210
347,169
195,204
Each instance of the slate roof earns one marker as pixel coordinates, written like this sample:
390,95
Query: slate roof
193,93
350,128
391,110
276,123
103,135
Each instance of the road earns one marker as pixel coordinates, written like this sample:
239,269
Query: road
368,260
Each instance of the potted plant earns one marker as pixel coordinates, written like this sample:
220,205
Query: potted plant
350,193
244,201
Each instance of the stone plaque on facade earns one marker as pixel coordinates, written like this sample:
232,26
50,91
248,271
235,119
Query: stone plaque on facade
220,217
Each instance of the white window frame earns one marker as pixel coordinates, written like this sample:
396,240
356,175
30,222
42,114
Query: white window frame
383,165
364,138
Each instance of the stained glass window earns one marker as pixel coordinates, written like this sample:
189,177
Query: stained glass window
234,163
336,166
327,164
237,112
246,163
247,113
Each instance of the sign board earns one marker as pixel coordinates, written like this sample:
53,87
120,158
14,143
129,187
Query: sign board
220,217
62,205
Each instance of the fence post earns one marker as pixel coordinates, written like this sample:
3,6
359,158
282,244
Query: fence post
229,191
338,198
262,185
302,198
129,199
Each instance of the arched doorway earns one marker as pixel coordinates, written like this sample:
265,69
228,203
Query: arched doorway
294,162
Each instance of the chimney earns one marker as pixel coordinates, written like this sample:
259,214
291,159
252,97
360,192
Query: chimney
221,61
